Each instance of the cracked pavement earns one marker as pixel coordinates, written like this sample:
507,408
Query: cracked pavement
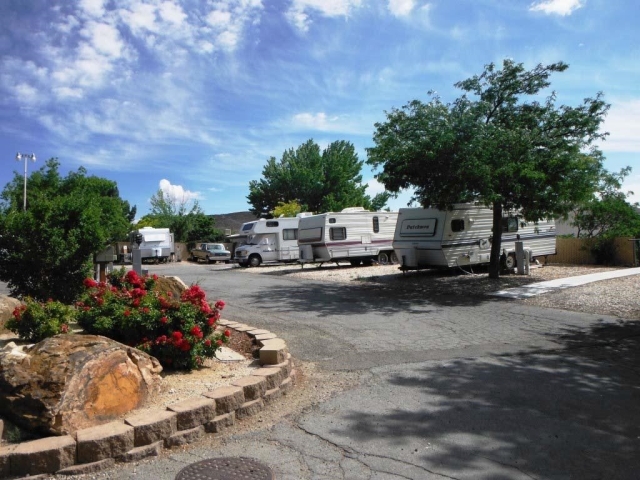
420,387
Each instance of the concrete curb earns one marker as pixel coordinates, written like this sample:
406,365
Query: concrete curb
136,437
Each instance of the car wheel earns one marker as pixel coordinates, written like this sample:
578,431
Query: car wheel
254,261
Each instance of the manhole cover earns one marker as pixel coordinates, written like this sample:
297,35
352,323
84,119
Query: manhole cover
226,468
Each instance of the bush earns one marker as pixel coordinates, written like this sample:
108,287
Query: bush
34,321
179,332
604,251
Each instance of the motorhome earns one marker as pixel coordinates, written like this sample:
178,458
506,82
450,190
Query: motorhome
428,237
155,244
353,235
269,241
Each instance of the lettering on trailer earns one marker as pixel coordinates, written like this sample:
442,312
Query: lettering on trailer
418,226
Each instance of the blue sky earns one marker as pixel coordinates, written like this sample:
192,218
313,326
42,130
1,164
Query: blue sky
193,96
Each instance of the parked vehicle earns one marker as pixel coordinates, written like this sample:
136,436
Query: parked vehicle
354,235
211,252
428,237
155,244
269,241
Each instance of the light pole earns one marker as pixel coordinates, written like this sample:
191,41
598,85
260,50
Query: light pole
25,156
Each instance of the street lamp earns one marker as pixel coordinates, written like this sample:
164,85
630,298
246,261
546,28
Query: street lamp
25,156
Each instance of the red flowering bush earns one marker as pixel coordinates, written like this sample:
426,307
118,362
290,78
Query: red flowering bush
34,321
180,333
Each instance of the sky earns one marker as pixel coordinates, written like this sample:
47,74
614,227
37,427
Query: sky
194,96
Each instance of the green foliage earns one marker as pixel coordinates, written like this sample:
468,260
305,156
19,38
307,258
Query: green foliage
318,181
179,332
608,214
34,321
47,250
496,149
187,223
287,209
604,250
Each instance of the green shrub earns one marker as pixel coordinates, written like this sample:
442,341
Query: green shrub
179,332
34,321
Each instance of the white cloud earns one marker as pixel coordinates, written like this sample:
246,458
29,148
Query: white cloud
93,8
623,125
556,7
401,8
177,193
299,14
316,121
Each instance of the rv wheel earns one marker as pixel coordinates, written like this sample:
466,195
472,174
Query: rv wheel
383,258
510,262
254,261
393,258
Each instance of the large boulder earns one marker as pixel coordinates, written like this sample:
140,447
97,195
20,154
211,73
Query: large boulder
69,382
7,305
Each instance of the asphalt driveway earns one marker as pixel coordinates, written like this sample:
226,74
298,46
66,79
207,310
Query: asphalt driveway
431,387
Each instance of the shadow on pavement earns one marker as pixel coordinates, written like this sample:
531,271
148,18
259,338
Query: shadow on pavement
569,413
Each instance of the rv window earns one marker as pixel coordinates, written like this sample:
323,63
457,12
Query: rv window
310,234
338,233
332,220
272,224
248,226
290,234
457,225
376,225
510,224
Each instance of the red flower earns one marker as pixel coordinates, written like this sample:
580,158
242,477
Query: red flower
185,346
196,332
64,328
227,333
177,336
219,342
220,304
154,276
100,301
136,303
169,294
164,320
145,310
211,321
207,343
127,313
90,283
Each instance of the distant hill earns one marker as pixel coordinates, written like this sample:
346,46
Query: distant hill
232,221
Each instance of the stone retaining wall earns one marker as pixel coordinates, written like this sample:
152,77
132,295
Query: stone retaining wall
139,436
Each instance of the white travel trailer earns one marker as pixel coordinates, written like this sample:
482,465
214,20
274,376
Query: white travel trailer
354,235
269,241
428,237
155,243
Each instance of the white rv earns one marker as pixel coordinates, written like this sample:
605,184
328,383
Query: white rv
155,243
269,241
428,237
354,235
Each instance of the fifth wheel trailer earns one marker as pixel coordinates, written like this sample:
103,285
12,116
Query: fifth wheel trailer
428,237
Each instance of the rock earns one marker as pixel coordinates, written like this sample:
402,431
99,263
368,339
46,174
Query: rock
7,305
170,284
70,382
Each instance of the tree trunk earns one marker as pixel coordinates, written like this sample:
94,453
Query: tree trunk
496,243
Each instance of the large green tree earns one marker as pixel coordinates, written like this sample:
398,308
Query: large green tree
499,144
46,251
319,181
184,218
608,214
